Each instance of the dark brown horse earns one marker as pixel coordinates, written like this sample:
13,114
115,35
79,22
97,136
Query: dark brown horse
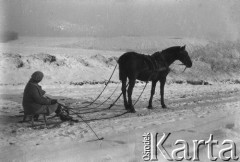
153,68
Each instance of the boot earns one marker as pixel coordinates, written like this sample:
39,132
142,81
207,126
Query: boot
64,116
58,111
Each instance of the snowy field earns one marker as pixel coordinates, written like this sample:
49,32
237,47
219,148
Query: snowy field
201,101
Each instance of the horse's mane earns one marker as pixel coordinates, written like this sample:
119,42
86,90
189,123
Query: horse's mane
173,49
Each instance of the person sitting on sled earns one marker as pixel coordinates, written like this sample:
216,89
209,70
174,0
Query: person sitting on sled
34,101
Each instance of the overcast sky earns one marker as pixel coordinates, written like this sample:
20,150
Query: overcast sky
107,18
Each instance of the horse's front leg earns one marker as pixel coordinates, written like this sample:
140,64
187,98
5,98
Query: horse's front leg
152,93
162,84
130,90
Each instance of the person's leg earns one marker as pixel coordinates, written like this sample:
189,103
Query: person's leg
59,110
52,108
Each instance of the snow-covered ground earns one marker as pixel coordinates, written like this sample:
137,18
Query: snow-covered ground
75,73
194,112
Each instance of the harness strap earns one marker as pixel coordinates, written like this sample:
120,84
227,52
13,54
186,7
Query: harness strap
150,62
154,63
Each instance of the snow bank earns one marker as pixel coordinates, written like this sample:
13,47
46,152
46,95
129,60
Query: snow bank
17,68
70,64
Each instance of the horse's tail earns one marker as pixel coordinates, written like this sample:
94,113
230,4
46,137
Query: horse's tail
122,73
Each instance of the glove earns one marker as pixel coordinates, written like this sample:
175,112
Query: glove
53,101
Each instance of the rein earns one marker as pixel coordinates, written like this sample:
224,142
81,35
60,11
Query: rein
184,68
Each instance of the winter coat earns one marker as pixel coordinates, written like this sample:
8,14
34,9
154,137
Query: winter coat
34,102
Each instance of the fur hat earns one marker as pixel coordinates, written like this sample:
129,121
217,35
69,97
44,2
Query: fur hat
37,76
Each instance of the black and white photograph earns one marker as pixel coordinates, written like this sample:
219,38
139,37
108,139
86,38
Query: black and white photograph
119,80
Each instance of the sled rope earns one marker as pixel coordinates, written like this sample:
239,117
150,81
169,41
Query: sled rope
143,89
102,90
108,97
71,109
140,94
117,99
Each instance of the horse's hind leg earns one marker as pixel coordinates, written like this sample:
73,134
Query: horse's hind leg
162,81
152,93
130,90
124,87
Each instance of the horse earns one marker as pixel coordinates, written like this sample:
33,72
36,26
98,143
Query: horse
146,68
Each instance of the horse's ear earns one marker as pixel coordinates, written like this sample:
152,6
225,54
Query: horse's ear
183,47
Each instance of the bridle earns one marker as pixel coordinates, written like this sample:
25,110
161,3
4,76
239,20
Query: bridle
184,68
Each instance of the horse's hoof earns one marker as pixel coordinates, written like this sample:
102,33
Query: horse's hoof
132,110
150,107
164,106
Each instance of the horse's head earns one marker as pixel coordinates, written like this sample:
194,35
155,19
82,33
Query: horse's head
184,57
